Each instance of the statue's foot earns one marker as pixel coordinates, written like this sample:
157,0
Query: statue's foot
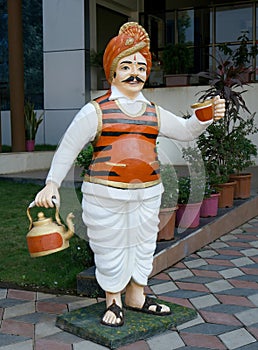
113,316
150,306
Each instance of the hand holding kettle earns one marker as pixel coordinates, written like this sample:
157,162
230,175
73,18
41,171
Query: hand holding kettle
45,197
47,236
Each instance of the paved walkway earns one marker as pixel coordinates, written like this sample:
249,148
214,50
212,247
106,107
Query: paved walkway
220,281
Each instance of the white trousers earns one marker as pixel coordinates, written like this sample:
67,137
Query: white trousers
122,235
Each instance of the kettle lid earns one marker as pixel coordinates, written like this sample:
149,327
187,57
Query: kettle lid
42,220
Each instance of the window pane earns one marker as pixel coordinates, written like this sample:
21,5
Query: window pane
186,26
230,22
170,27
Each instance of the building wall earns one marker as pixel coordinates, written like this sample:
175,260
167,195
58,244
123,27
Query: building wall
64,64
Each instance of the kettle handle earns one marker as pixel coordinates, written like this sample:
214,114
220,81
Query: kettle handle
57,217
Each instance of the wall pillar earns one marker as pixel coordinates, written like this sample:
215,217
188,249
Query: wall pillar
16,74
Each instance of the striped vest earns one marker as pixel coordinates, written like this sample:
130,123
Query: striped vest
125,153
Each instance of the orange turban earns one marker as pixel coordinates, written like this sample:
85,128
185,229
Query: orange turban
131,38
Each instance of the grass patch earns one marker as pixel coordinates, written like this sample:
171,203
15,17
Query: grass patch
52,272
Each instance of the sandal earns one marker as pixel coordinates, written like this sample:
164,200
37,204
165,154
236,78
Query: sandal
118,311
146,308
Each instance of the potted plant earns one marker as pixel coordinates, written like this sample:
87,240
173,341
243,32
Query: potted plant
210,203
167,214
191,188
177,63
31,125
190,196
225,146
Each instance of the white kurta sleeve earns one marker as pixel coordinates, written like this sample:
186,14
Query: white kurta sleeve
180,129
81,131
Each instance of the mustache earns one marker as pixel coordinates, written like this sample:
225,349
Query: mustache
131,78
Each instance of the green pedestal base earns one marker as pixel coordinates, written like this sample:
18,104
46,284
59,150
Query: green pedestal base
85,323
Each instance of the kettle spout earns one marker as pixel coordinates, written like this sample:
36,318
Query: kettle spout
70,225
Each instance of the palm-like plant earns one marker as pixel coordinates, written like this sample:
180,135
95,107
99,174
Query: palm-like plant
31,121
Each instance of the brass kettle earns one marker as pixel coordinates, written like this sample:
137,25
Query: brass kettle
47,237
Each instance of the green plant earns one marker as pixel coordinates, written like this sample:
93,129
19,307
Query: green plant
96,58
170,183
192,187
191,190
31,121
84,158
176,59
225,145
243,54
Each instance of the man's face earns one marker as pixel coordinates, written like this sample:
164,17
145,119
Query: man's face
130,75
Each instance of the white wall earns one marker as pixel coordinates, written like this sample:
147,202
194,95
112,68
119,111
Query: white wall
64,64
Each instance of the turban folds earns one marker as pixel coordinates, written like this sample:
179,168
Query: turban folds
131,38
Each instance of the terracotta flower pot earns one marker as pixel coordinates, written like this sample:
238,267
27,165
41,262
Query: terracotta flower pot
167,217
209,206
188,215
226,199
243,185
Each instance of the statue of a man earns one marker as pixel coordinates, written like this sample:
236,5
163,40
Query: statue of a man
122,188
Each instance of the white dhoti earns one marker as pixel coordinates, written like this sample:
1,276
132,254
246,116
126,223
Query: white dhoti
122,233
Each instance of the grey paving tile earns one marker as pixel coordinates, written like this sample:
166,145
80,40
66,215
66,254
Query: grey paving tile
250,252
3,293
211,268
231,273
191,348
64,337
204,301
237,338
252,346
218,244
5,303
35,317
248,317
218,286
210,328
88,345
251,278
208,253
230,237
184,294
45,329
195,263
180,274
6,339
244,292
224,257
164,287
226,309
254,299
254,244
191,323
200,280
236,231
170,340
19,309
25,345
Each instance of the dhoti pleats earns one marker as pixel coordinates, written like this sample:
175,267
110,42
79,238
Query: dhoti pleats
122,235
